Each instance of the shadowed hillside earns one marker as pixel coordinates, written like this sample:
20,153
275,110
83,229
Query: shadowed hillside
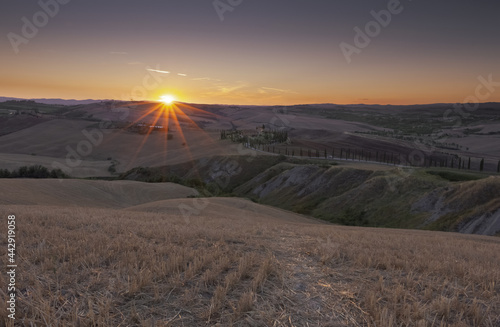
363,196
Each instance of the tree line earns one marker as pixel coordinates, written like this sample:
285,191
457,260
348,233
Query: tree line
35,171
251,139
266,140
389,158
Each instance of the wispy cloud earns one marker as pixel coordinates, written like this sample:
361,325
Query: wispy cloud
238,90
158,71
206,79
272,89
181,74
225,89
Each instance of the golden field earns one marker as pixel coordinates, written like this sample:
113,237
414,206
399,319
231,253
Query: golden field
231,262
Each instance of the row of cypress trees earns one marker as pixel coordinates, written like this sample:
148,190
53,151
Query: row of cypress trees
266,139
382,157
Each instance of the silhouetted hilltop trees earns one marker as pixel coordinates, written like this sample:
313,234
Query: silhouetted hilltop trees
35,171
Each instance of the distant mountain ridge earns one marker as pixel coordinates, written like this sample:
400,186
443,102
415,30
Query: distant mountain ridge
66,102
70,102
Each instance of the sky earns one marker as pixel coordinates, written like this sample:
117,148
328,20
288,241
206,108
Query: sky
260,52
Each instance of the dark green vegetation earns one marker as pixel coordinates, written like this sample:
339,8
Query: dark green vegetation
260,136
35,171
455,176
396,198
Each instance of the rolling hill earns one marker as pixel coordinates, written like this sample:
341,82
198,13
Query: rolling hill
235,244
233,262
347,193
86,193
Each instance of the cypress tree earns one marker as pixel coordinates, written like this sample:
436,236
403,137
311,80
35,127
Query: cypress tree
481,165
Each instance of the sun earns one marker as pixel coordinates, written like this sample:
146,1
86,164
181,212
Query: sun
167,99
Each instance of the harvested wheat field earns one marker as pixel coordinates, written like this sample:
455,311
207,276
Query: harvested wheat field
230,263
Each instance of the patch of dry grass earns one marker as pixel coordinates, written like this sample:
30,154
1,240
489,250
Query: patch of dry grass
104,267
413,278
109,267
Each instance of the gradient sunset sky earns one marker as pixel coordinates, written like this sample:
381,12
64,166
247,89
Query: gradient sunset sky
263,52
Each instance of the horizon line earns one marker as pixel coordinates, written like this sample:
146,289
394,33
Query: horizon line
253,105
